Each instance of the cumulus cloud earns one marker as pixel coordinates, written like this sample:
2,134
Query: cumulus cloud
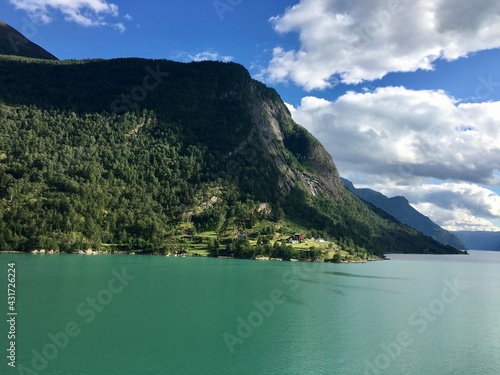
397,132
353,41
83,12
395,140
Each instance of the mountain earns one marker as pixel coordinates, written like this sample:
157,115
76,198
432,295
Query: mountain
12,42
160,155
400,208
479,240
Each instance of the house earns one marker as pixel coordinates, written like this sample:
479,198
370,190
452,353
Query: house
296,238
242,236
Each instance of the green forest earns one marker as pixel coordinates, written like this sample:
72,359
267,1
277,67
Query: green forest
162,157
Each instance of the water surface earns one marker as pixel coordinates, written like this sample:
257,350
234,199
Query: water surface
411,315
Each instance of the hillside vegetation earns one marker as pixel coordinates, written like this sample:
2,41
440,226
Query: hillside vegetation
159,156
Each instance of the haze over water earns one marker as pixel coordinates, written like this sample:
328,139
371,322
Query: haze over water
156,315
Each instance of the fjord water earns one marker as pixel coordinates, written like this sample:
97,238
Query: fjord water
161,315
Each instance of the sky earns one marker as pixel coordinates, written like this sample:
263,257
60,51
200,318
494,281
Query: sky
404,94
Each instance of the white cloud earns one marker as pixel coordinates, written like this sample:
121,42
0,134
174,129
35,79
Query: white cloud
210,55
399,132
456,219
353,41
120,27
396,140
83,12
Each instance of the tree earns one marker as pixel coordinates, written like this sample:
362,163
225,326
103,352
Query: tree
211,245
337,258
314,253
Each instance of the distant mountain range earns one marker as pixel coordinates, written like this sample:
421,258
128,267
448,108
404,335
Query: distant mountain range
480,240
12,42
400,208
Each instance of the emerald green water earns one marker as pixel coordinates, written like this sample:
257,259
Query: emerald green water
165,315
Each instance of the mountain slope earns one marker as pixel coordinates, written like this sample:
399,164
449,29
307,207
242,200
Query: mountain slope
479,240
12,42
400,208
144,153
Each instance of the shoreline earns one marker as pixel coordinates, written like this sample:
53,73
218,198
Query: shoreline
197,255
182,255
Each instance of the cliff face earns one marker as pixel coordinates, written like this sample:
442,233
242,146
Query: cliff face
281,140
12,42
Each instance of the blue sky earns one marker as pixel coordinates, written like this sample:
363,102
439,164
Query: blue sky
403,94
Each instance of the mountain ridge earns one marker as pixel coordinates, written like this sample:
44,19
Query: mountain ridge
144,153
12,42
400,208
480,240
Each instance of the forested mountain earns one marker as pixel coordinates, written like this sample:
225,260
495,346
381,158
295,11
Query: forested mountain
145,154
12,42
400,208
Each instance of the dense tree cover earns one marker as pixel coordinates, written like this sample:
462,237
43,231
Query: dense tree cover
136,154
69,180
